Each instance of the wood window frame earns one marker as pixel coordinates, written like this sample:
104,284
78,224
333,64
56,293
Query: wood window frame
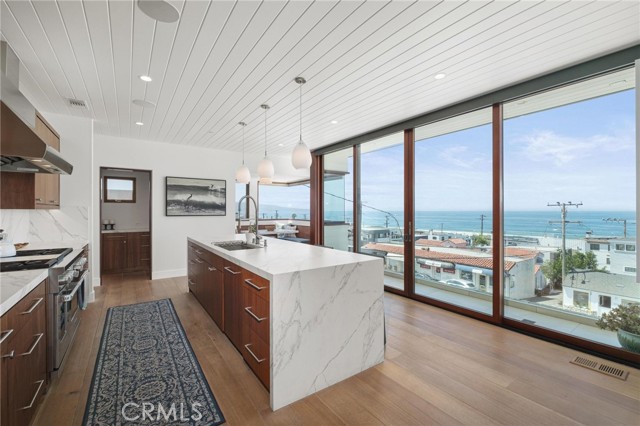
105,197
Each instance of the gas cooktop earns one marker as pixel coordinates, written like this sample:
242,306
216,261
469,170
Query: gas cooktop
33,259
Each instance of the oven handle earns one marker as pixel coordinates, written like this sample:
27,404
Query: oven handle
67,297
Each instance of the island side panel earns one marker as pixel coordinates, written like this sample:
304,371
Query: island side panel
327,324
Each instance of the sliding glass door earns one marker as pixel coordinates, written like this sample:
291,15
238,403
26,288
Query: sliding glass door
453,214
338,200
570,206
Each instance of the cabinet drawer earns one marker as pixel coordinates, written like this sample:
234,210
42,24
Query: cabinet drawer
256,313
255,352
29,307
259,285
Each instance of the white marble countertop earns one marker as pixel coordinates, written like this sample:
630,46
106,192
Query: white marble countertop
16,285
281,256
117,231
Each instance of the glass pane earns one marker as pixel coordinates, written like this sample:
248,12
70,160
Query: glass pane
338,200
284,202
120,189
453,207
570,181
381,205
241,191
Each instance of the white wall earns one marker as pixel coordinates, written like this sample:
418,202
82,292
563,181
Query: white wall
169,234
129,216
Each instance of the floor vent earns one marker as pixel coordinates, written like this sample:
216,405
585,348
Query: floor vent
609,370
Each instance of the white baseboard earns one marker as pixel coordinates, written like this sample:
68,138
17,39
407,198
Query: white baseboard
95,281
169,273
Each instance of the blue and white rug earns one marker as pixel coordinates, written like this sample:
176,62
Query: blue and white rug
147,373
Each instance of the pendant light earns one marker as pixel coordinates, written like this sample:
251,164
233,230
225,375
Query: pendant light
265,166
243,175
301,156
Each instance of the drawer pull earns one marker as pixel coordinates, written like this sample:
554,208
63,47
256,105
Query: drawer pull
211,268
5,334
192,262
258,360
198,251
39,199
198,260
191,282
226,268
254,285
35,305
33,347
255,317
33,400
10,355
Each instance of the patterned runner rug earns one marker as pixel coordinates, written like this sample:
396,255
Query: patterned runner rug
147,373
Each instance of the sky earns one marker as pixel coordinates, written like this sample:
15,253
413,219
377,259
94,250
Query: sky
582,152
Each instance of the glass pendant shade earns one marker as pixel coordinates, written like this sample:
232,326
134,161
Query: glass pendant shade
265,170
301,156
243,175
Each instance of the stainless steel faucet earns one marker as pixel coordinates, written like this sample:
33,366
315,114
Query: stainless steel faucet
259,240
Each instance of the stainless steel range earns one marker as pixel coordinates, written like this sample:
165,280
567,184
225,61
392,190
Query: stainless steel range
65,294
65,298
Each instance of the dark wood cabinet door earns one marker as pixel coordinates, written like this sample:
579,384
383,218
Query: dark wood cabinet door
232,303
134,251
114,252
218,298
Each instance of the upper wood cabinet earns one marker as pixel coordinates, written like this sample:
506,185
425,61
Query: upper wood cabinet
47,186
32,190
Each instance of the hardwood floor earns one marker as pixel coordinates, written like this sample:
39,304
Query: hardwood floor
440,368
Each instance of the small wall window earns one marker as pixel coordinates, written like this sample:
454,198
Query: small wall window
631,247
594,247
581,299
119,190
466,275
629,269
620,247
605,301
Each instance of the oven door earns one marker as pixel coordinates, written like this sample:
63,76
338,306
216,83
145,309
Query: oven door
68,320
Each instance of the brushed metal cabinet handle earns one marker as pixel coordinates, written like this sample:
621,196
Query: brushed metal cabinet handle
5,334
33,347
258,360
254,285
191,282
198,260
226,268
255,317
33,400
198,251
10,355
35,305
191,261
38,199
211,268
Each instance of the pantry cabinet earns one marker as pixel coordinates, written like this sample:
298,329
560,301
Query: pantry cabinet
125,252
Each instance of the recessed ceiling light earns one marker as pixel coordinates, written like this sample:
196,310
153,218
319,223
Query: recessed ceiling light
139,123
159,10
439,76
334,121
46,165
143,103
145,78
280,144
37,161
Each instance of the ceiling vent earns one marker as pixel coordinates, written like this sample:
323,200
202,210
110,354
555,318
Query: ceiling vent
77,103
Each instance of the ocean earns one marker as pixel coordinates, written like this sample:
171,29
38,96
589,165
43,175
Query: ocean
532,223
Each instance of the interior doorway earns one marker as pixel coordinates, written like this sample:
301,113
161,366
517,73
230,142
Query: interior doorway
125,221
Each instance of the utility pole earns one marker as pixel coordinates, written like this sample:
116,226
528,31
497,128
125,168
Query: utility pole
564,221
624,221
482,223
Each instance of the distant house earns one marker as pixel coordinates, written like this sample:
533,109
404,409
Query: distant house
455,243
598,291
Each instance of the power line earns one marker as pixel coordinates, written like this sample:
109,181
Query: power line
617,220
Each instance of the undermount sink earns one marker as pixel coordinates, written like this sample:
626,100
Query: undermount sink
236,245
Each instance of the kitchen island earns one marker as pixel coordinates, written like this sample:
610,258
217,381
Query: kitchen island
320,309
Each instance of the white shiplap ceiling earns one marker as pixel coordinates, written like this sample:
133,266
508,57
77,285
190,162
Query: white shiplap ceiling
367,64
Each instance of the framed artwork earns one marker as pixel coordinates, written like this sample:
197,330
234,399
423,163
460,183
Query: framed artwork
196,197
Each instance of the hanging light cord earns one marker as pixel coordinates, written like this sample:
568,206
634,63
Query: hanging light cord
243,145
265,133
300,111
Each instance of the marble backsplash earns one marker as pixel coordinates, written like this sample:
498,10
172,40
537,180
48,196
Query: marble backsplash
69,223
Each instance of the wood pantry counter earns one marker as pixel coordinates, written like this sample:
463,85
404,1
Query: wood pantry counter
303,317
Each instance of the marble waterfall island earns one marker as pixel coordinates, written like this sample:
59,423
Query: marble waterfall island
326,316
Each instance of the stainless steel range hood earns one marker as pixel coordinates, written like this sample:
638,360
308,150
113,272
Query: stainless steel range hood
21,149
